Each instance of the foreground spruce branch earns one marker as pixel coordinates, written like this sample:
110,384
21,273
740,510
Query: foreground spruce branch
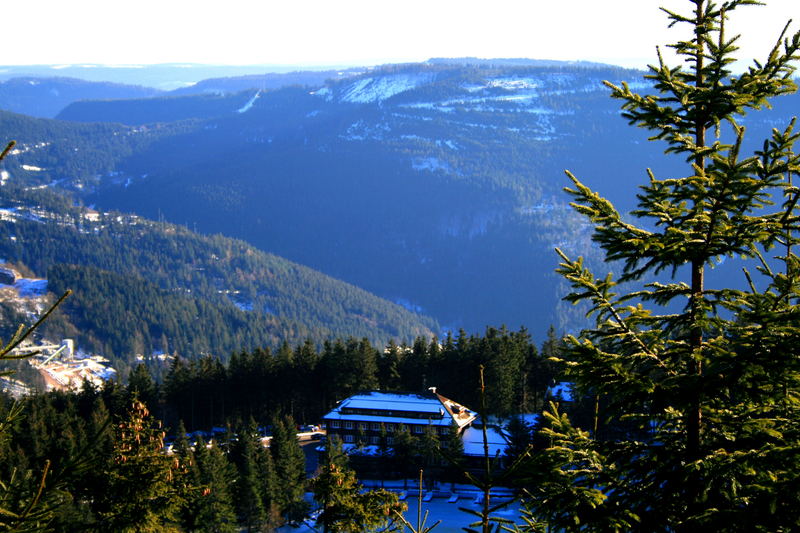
697,386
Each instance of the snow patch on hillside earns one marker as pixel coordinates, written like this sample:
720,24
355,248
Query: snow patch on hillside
431,164
29,287
448,143
514,84
361,131
409,305
246,107
368,90
243,305
324,93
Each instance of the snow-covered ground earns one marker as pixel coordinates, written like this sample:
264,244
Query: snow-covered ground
367,90
31,288
453,519
431,164
246,107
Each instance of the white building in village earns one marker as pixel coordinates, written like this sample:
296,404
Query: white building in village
361,417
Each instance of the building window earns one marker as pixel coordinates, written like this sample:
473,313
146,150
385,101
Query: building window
418,429
362,426
376,426
332,436
389,428
443,430
348,424
374,440
389,440
349,438
335,424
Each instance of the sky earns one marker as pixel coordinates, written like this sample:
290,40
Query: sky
355,32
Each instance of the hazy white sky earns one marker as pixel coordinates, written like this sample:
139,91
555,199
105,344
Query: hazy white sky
344,32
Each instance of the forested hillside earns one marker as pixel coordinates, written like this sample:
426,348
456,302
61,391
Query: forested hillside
143,286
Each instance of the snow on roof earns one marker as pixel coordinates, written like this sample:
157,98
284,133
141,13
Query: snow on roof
435,420
473,441
436,407
392,401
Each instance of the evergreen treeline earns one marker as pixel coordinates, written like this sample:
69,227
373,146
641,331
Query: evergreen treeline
102,447
107,470
305,382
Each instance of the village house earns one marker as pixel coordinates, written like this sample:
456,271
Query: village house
362,416
359,420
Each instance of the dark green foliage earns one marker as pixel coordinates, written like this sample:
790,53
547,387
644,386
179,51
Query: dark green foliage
214,511
290,469
348,367
144,487
345,507
27,503
248,487
305,383
521,372
696,379
520,438
141,386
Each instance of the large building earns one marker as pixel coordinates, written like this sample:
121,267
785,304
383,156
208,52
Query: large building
363,416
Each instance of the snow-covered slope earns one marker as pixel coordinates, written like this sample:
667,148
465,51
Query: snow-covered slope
381,87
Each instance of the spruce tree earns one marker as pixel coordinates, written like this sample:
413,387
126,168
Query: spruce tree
214,508
269,484
247,489
142,386
345,506
290,469
704,380
144,486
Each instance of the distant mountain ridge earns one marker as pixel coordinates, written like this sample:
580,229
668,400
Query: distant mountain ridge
46,97
45,90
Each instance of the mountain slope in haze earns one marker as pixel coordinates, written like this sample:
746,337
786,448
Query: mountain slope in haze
46,97
434,185
163,77
270,80
142,286
45,92
135,112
